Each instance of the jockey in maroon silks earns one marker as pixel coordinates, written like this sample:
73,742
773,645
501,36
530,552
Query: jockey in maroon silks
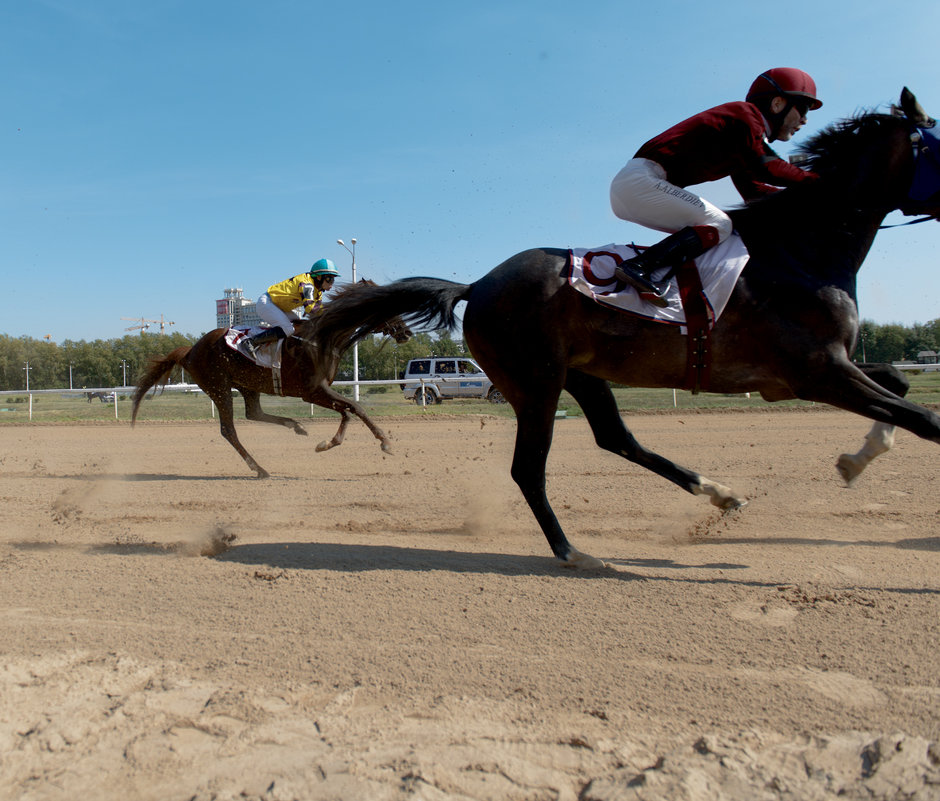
727,140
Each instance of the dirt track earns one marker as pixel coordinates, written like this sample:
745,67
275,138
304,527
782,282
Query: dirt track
364,626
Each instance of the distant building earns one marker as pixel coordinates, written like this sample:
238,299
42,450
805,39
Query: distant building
235,310
927,357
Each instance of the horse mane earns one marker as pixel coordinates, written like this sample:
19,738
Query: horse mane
831,148
833,153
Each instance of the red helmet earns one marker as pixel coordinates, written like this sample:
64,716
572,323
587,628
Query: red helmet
786,81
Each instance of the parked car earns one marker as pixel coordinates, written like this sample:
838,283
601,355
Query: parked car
435,378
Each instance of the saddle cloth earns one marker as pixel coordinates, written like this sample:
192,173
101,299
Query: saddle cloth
268,355
591,272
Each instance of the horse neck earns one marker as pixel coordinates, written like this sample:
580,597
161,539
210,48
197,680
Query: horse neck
299,361
808,237
827,228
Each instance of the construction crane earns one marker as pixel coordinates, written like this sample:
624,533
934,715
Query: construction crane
145,324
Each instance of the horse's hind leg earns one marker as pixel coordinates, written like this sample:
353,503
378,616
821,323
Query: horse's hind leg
253,411
597,401
223,402
535,419
881,437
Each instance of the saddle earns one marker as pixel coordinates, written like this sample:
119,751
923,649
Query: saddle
267,356
697,294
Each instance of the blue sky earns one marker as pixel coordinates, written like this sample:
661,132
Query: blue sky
156,153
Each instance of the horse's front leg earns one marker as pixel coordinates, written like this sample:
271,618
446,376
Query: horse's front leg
845,386
339,436
325,396
877,441
881,437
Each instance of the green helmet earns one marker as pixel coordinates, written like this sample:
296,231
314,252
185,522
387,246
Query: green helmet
323,267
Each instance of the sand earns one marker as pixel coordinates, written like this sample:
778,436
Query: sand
371,626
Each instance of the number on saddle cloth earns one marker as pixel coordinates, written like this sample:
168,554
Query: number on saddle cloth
591,272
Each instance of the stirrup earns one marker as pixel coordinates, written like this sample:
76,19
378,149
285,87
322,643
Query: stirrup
647,289
252,350
266,337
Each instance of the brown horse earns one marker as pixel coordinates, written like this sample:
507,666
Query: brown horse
218,369
788,331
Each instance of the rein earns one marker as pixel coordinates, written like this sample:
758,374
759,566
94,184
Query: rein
909,222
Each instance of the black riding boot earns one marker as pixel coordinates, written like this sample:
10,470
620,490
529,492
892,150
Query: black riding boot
673,251
263,338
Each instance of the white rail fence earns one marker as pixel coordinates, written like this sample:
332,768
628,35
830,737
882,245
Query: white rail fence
111,394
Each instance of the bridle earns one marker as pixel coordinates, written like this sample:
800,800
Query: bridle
397,330
926,181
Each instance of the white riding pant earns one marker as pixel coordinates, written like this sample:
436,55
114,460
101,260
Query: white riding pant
274,316
641,194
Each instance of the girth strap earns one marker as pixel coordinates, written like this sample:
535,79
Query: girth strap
699,320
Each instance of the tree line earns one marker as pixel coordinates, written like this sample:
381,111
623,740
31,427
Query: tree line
894,342
116,362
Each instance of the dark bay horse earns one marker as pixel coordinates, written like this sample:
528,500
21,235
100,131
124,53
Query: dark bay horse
787,332
305,373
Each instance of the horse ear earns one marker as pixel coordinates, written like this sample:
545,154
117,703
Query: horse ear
914,111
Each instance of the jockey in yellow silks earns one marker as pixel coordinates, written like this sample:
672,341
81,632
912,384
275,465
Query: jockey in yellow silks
276,306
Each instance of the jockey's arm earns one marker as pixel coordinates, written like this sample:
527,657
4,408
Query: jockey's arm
751,189
769,175
312,299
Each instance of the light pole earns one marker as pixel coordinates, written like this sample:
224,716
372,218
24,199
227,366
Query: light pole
70,375
356,346
124,368
27,368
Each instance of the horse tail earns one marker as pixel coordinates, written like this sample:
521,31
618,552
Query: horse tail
157,373
358,311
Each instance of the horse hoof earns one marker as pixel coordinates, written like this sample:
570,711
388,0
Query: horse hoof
261,473
324,446
582,561
718,494
733,504
386,447
848,469
301,430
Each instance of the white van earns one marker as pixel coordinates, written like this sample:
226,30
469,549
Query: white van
432,379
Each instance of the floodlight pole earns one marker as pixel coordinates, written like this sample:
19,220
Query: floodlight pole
356,346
